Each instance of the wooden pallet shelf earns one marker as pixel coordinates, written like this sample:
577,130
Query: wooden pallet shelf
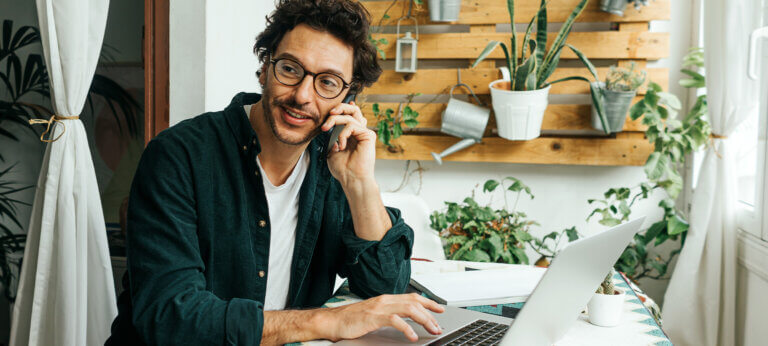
568,137
495,12
588,151
595,45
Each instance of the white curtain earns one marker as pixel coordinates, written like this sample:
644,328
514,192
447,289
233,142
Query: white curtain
700,302
66,293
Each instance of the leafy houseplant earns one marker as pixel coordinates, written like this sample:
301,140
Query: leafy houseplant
482,234
529,72
607,303
11,245
617,93
389,127
672,139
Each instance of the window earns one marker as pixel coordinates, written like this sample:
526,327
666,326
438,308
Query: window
750,139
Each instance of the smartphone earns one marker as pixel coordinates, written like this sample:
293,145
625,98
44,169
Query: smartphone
336,130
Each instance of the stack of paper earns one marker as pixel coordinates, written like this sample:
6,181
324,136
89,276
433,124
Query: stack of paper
512,284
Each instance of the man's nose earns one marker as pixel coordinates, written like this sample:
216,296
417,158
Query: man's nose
305,91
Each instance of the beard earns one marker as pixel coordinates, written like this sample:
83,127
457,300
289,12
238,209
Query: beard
270,105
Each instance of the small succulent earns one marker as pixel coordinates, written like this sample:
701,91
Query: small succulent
624,79
607,286
639,3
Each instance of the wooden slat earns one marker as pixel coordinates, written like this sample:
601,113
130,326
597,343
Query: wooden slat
431,82
595,45
543,150
495,12
557,117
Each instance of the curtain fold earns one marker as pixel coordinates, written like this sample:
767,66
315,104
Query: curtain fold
700,302
66,294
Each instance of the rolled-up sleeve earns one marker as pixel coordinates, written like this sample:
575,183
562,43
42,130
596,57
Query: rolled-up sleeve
378,267
168,297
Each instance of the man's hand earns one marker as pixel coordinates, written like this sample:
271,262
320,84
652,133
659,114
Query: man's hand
355,320
352,159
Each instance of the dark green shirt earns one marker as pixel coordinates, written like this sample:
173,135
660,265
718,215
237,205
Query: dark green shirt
198,238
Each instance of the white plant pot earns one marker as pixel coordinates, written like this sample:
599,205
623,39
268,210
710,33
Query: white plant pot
605,310
519,113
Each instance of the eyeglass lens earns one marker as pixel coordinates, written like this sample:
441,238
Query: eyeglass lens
291,73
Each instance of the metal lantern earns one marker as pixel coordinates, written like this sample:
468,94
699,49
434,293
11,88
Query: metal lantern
405,55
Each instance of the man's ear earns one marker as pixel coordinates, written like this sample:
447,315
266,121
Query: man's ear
262,73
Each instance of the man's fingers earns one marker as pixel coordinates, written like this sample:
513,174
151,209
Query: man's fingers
420,315
430,304
334,120
398,323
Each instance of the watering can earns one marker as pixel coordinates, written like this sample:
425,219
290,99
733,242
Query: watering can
464,120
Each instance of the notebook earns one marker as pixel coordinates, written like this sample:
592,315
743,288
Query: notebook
512,284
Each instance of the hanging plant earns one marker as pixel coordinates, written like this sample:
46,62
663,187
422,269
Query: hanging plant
389,125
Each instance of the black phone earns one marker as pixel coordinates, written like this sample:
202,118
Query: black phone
336,130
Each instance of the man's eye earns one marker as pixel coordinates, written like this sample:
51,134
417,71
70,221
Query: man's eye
329,83
289,69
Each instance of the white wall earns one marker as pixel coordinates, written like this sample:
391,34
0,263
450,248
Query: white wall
229,29
211,54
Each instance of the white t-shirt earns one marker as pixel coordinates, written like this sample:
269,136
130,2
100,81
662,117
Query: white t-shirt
283,205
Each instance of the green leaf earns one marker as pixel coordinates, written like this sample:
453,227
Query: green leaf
490,185
477,255
397,130
553,57
383,41
656,165
411,123
541,32
572,234
610,222
585,61
654,231
488,49
493,245
670,99
375,109
676,225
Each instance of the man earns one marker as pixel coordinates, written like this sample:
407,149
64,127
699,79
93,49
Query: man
237,218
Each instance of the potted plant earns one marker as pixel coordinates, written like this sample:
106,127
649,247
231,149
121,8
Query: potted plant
607,304
519,102
617,93
617,6
481,234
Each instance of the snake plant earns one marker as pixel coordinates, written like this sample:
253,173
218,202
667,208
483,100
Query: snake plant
532,67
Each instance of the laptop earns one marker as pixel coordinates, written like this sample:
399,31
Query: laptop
549,312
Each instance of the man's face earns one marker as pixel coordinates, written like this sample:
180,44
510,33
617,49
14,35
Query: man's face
295,113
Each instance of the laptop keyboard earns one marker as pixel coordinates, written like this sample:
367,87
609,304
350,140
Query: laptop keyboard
480,332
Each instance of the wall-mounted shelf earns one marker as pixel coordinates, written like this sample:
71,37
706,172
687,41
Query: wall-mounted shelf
568,138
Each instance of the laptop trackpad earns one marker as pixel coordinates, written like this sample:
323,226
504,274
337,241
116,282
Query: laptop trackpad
392,336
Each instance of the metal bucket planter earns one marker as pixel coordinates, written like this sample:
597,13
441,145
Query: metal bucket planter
444,10
518,113
614,6
464,120
615,105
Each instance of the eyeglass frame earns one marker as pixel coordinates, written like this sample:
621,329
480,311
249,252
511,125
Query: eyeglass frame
274,62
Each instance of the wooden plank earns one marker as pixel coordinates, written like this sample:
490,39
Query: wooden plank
156,67
438,81
543,150
495,12
557,116
595,45
474,29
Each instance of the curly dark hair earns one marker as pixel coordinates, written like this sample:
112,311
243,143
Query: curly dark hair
347,20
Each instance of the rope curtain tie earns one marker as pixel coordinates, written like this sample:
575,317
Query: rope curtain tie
54,118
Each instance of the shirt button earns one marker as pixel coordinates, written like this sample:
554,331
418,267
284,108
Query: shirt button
261,273
254,142
245,148
262,223
256,173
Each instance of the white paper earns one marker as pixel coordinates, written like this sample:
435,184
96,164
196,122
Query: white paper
492,286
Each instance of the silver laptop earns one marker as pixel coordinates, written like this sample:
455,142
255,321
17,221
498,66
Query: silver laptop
549,312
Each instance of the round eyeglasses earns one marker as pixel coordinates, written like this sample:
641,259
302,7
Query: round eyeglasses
290,73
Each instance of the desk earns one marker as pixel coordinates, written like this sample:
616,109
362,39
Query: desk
637,328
